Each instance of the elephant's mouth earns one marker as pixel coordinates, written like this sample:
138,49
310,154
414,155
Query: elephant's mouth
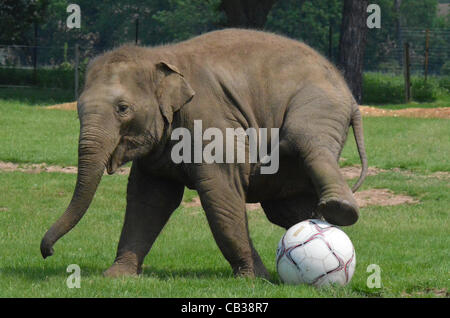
116,159
110,166
127,149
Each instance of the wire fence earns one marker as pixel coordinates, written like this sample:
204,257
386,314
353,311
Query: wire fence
55,66
42,66
429,52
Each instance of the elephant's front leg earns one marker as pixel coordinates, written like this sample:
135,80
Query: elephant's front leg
223,200
150,202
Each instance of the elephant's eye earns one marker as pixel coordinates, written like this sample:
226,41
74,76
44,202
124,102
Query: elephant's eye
122,108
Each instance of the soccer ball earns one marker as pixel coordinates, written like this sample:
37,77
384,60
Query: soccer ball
317,253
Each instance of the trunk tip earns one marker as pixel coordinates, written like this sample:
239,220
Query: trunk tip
46,249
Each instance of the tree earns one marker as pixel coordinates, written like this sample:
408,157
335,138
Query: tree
308,21
17,18
183,19
352,44
247,13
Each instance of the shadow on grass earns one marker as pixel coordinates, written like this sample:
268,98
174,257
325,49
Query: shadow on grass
42,273
167,274
207,273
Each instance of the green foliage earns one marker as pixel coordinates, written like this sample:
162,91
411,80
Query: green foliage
60,77
424,91
388,88
445,70
13,97
380,42
17,18
444,82
419,13
308,21
111,23
379,88
185,19
391,66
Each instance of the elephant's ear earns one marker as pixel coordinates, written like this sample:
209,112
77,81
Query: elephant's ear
173,90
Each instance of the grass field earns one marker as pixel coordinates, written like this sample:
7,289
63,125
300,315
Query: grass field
408,242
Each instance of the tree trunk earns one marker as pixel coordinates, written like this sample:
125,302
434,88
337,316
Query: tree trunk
352,44
247,13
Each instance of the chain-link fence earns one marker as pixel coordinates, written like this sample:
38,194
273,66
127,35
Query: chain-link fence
55,66
26,66
429,53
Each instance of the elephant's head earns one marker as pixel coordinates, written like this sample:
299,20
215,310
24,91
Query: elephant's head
127,103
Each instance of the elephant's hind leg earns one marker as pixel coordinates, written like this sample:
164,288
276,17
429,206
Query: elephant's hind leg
336,202
290,211
150,202
316,133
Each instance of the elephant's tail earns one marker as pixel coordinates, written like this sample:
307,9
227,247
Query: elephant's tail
356,123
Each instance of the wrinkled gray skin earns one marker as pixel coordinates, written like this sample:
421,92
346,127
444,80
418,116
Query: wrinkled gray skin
133,99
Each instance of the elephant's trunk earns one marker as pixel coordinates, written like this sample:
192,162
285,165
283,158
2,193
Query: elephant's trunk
94,150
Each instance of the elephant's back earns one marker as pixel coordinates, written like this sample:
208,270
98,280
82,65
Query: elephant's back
248,45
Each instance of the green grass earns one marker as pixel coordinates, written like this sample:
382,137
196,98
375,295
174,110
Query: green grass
408,143
408,242
33,134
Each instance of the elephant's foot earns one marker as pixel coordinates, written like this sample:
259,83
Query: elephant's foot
338,211
244,272
127,264
119,270
259,268
261,272
256,270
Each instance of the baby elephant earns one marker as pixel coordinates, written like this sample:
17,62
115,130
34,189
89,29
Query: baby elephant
137,103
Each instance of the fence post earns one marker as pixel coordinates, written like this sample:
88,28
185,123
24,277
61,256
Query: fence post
427,46
407,74
330,42
76,69
137,31
35,48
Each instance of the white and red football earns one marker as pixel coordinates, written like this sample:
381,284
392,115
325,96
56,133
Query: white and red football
317,253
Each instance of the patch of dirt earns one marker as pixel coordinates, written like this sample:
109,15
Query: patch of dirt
441,175
438,112
382,197
192,204
443,292
352,172
438,174
65,106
